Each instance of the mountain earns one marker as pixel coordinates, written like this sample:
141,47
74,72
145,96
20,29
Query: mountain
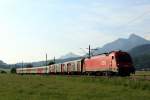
141,56
3,65
140,50
69,55
123,44
138,47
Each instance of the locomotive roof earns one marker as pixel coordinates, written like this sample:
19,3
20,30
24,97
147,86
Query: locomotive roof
107,53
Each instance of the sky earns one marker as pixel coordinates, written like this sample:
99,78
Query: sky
31,28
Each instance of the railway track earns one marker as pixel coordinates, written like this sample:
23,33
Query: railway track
140,77
132,77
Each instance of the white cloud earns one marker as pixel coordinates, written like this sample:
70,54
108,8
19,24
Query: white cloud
147,36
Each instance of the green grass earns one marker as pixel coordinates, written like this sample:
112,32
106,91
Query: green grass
142,73
34,87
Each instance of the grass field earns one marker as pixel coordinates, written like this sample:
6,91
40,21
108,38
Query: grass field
35,87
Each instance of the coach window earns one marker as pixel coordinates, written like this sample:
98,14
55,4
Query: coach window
112,57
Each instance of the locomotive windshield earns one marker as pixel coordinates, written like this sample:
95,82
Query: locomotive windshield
124,58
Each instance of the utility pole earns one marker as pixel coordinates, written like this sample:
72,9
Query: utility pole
22,67
89,51
46,65
54,60
46,59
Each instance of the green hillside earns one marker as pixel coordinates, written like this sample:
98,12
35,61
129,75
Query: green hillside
141,56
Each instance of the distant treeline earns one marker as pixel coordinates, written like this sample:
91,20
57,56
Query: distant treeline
142,62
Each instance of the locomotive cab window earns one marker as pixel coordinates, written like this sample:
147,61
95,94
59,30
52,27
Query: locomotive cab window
124,58
112,57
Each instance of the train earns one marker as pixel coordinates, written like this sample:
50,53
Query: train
112,63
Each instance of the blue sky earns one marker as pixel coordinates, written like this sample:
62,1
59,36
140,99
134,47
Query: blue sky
30,28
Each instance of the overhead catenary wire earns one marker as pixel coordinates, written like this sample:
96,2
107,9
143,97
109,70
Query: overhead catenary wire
135,19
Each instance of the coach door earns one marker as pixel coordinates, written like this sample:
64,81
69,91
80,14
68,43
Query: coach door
82,66
78,66
68,67
62,68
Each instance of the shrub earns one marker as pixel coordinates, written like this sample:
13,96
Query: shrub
13,70
3,72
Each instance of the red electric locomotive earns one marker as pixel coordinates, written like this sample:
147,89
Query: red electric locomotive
116,62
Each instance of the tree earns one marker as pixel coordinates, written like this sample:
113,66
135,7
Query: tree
51,63
29,65
3,72
13,70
